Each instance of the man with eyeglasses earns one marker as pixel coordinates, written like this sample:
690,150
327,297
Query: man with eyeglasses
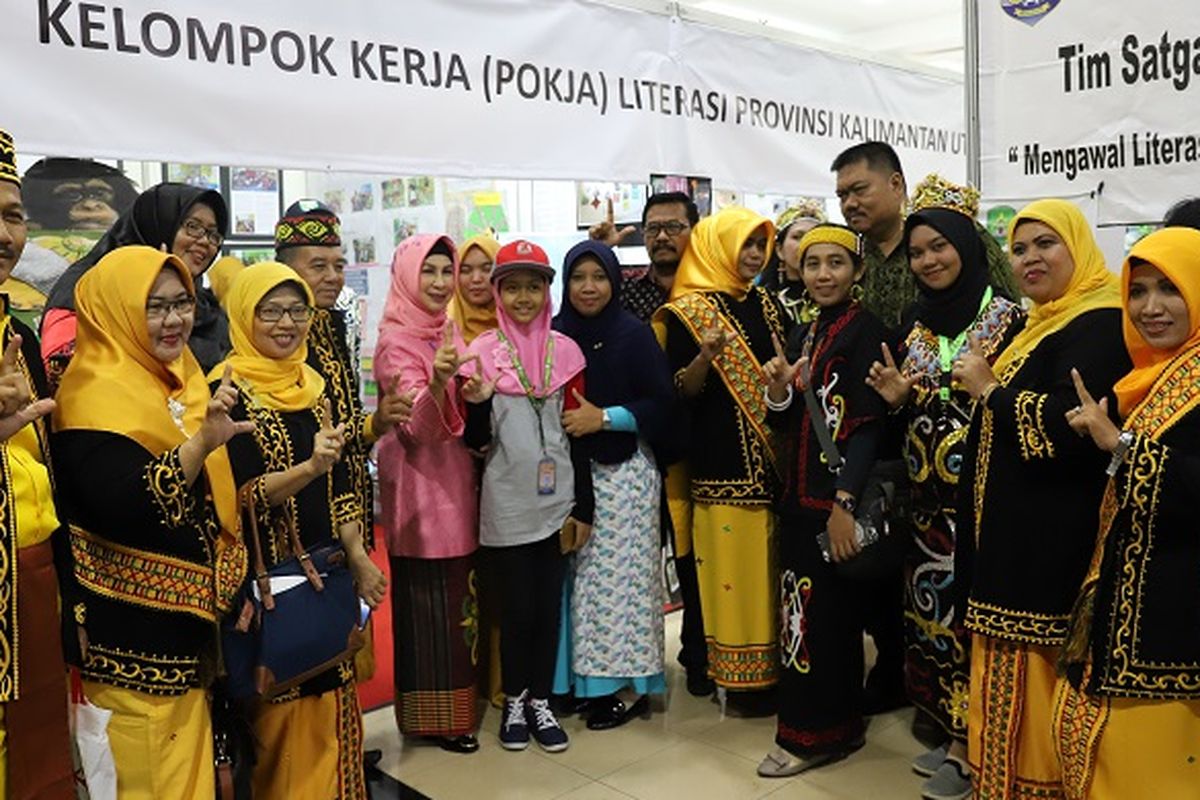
36,758
667,222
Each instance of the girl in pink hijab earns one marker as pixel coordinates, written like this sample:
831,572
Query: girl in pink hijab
427,488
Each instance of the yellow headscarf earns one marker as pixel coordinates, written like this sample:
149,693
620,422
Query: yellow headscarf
221,274
472,319
1091,287
1176,252
710,262
284,384
115,383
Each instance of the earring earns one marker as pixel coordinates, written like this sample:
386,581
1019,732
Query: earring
857,292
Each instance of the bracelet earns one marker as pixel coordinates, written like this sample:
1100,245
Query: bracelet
847,504
986,393
1124,442
782,405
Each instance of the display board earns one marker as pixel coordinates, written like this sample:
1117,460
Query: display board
570,90
1091,97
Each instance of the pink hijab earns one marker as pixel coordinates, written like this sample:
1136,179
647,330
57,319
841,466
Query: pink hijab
529,341
410,333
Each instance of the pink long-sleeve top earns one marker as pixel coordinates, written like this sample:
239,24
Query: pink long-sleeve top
427,478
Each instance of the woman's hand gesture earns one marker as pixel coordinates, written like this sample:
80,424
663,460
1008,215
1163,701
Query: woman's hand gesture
1091,418
328,441
781,373
586,419
218,427
973,372
476,389
886,379
446,360
713,341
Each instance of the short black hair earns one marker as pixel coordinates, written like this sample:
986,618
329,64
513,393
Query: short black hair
1184,214
880,156
664,198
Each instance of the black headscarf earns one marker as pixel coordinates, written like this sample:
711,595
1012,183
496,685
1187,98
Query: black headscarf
950,311
625,365
154,220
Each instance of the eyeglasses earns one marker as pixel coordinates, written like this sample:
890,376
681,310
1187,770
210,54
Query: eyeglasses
161,309
87,193
197,232
275,313
672,228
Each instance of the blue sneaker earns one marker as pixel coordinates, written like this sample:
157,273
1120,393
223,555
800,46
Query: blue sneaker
546,731
514,732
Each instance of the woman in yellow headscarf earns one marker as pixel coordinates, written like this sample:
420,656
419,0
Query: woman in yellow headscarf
717,330
310,744
145,482
1036,486
1127,713
473,306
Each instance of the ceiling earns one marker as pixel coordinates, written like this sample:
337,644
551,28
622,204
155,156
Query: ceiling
929,33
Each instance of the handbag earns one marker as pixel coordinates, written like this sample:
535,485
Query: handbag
881,517
298,618
233,746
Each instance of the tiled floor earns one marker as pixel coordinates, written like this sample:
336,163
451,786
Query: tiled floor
683,751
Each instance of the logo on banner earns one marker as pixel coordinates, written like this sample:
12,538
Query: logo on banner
1031,12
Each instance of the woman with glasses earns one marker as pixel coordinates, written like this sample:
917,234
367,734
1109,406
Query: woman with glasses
182,220
145,482
718,330
310,740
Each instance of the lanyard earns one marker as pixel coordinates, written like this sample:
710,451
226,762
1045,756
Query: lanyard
948,348
535,402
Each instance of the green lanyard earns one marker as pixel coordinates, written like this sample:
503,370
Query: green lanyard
948,348
535,402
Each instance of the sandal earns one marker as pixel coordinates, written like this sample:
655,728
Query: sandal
781,764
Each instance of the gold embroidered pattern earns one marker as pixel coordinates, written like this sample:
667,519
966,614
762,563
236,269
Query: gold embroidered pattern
1079,722
351,783
1003,699
1014,625
1031,430
9,635
168,487
232,564
161,675
982,460
149,580
346,509
737,365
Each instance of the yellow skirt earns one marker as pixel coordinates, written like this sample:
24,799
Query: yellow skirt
162,746
736,572
1117,748
311,748
1010,744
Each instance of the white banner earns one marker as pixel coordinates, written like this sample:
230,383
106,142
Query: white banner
504,88
1083,96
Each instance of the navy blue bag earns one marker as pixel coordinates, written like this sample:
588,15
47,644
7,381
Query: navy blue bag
297,619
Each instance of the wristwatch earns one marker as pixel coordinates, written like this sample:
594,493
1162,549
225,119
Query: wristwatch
847,503
606,420
1124,442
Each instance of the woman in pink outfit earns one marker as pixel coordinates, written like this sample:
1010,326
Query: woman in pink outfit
430,506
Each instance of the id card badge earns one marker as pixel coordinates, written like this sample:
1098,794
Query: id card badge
546,476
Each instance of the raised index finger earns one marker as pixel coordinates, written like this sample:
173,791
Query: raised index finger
608,210
325,415
888,361
1085,397
778,346
227,377
9,362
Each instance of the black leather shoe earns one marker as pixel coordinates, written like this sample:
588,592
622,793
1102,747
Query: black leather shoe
611,712
699,684
467,743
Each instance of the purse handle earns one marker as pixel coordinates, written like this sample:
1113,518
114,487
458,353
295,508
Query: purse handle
261,576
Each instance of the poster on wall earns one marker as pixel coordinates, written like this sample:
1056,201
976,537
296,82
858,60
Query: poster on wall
699,189
254,201
202,176
591,206
1083,98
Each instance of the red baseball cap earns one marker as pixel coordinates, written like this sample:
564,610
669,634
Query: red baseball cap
521,255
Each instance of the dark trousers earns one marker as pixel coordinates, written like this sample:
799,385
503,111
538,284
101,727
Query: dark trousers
883,619
693,653
530,578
